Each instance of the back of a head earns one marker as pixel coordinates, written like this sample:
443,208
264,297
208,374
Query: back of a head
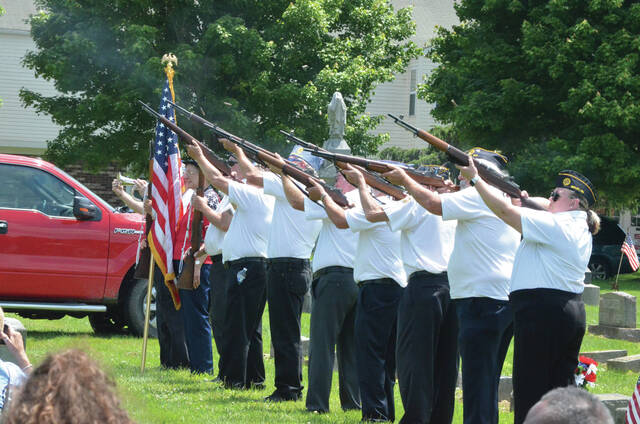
569,405
67,387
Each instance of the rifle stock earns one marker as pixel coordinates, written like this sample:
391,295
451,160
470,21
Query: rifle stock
216,161
461,158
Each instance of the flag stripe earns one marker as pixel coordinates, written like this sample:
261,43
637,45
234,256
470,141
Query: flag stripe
629,250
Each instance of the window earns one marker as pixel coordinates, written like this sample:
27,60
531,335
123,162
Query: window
413,86
24,187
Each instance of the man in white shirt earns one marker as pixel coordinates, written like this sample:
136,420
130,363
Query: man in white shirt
244,252
479,272
12,375
334,294
289,245
379,273
427,348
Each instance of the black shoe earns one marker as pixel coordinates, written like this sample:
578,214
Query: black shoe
277,396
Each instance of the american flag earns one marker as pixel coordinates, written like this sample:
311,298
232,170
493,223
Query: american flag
630,250
633,409
166,192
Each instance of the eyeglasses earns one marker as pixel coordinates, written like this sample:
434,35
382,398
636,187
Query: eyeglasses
555,195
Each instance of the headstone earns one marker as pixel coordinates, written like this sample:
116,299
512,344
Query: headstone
617,309
630,334
601,356
505,387
16,325
591,295
615,403
588,277
625,363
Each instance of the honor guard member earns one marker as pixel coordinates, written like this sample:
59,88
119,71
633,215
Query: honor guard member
290,242
195,303
219,219
244,252
379,273
479,271
427,346
333,309
547,283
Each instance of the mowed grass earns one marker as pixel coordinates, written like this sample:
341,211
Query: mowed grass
167,396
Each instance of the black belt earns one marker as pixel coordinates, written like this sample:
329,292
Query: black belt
252,259
216,258
287,260
427,274
426,278
327,269
378,281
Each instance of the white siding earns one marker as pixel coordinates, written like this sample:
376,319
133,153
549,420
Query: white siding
21,130
393,97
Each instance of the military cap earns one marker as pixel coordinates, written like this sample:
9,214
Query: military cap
577,182
490,156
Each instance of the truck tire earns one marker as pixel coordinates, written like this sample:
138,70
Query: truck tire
105,323
135,306
599,269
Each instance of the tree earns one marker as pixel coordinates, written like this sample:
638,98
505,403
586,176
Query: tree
553,84
253,66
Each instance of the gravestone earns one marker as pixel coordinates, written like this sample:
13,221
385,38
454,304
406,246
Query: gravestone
591,295
617,309
16,325
616,404
625,363
601,356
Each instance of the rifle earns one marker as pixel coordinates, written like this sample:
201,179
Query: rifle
185,279
142,267
371,179
214,159
461,158
377,166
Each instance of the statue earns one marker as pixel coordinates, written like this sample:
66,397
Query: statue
337,112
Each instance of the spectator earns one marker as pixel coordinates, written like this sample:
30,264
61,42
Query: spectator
12,375
67,387
568,405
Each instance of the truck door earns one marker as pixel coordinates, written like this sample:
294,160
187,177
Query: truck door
45,252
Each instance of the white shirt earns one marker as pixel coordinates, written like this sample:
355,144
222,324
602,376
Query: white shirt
291,235
484,248
554,252
11,376
214,237
249,228
335,246
426,240
378,253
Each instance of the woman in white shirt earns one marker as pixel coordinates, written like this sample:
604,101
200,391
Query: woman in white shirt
546,283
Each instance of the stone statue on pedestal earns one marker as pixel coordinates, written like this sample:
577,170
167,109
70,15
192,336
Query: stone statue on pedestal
337,116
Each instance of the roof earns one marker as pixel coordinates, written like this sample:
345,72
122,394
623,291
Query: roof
16,13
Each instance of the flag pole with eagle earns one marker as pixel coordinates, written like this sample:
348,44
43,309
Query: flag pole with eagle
167,186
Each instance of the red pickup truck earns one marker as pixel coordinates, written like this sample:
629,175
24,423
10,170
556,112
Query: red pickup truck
65,251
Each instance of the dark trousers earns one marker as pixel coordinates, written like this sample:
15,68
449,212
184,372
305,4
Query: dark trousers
217,303
333,313
375,326
548,329
427,350
243,365
195,314
486,328
171,337
288,280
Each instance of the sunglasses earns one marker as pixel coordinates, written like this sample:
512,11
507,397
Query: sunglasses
555,195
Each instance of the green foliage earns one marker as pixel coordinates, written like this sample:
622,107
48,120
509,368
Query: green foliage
553,84
254,67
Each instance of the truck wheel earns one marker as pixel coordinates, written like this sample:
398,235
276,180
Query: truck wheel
105,323
135,307
599,269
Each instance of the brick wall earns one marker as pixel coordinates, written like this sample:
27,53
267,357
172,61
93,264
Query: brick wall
99,183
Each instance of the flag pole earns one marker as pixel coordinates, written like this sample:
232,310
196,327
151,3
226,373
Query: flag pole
615,285
147,314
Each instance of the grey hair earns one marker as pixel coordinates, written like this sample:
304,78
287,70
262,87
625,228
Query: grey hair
570,405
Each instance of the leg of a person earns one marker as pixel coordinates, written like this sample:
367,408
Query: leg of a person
161,325
329,307
446,362
288,281
256,297
346,349
171,335
574,316
195,313
483,325
375,321
419,320
217,302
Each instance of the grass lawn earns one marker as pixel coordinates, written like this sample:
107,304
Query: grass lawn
161,396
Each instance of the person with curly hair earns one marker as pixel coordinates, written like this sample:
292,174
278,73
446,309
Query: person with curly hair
67,387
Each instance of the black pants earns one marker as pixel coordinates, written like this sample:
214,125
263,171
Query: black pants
333,313
548,329
171,337
288,280
243,364
375,326
427,350
217,303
